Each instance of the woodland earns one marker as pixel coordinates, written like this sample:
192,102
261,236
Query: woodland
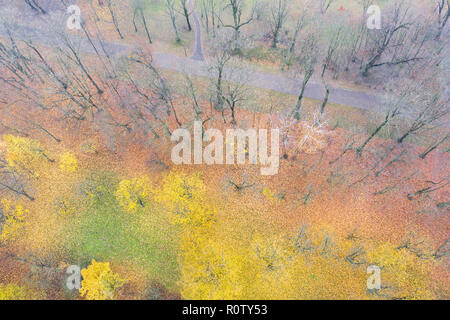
87,179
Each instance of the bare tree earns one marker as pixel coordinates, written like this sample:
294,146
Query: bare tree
324,5
443,13
138,6
11,181
33,4
325,99
186,13
400,41
114,18
237,8
333,44
434,146
300,24
21,76
235,92
393,105
443,250
433,186
210,12
171,11
162,93
307,62
426,109
278,15
193,95
222,53
355,37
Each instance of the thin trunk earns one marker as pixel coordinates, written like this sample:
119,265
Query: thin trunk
427,190
294,39
205,14
298,106
219,105
396,159
144,22
46,131
81,65
134,20
300,97
20,192
360,149
213,19
400,140
174,25
113,16
186,15
35,6
325,100
433,147
233,119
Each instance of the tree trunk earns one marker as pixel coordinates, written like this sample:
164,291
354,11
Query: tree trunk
219,104
134,20
144,22
113,16
325,100
432,148
360,149
186,15
300,98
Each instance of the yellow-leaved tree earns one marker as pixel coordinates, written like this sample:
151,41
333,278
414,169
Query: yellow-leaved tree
100,282
12,292
133,194
68,162
404,275
185,197
25,156
212,271
268,267
13,220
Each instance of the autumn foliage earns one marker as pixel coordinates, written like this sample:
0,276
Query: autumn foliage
93,185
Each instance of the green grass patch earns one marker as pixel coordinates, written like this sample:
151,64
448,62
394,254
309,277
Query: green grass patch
103,231
154,6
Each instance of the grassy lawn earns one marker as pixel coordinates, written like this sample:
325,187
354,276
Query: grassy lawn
145,239
162,30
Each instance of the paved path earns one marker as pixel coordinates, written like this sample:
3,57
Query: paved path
198,46
199,67
269,81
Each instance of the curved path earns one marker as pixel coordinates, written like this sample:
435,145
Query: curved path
198,46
